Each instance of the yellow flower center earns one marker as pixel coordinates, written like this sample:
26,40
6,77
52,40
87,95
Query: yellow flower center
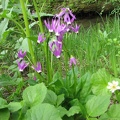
114,87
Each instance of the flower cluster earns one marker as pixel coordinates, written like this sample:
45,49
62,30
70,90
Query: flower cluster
113,86
59,25
22,64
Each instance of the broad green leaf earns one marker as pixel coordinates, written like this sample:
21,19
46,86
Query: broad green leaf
15,116
43,111
62,111
69,81
56,78
33,95
113,113
92,119
97,105
51,97
104,117
73,110
60,99
84,86
14,106
76,102
3,103
4,114
57,83
100,81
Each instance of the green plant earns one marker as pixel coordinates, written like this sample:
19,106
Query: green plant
77,79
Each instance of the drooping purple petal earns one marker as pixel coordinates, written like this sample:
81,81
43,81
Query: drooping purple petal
72,61
62,12
59,28
72,16
55,23
60,37
56,48
41,38
37,67
21,54
76,28
48,25
67,18
67,15
22,65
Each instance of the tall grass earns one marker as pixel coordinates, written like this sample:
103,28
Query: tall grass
92,47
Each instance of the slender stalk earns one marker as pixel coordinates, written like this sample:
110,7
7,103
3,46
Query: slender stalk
27,30
49,72
39,18
28,35
40,23
75,79
51,61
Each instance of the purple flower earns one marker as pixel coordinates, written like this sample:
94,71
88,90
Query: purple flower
76,28
48,25
59,28
62,12
51,26
72,61
67,15
41,38
56,47
22,65
37,67
67,18
21,54
60,37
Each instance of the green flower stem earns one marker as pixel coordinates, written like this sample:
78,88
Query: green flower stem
28,35
39,18
40,25
51,61
27,30
75,79
48,63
